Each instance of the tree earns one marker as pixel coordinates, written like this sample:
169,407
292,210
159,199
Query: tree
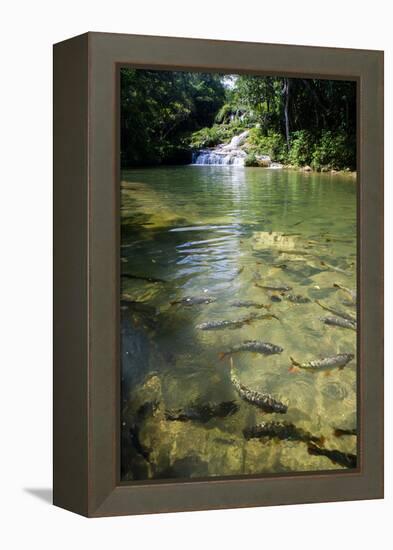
159,107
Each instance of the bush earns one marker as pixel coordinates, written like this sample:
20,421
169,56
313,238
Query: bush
218,133
225,113
326,151
206,137
302,148
273,145
334,151
251,160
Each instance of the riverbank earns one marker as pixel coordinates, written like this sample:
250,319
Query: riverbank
308,169
284,167
251,148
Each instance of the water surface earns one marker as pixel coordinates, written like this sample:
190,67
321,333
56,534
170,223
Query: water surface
215,231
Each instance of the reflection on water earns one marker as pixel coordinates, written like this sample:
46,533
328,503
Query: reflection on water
211,244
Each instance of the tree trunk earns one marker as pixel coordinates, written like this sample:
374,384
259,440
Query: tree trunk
286,115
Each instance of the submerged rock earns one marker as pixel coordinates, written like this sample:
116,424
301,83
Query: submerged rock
263,160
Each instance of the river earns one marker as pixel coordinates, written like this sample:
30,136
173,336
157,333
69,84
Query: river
218,232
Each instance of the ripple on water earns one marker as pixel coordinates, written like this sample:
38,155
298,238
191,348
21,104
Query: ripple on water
201,240
298,391
334,391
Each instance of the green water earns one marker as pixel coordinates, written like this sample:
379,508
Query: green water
215,231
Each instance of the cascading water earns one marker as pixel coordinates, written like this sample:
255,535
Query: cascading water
215,158
229,154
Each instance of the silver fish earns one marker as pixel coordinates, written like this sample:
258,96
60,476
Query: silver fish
339,322
344,314
333,361
249,303
298,299
265,348
278,288
236,323
264,401
194,300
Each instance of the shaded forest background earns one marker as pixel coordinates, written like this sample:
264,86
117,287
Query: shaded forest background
166,115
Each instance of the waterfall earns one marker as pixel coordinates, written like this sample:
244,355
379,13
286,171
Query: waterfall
216,158
230,154
236,141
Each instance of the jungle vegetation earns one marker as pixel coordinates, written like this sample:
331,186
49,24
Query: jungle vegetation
165,115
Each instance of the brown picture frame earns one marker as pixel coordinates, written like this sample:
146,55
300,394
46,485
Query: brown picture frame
86,273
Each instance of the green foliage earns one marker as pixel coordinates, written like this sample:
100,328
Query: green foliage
225,114
260,98
251,160
159,107
210,137
302,147
206,137
167,114
334,151
272,144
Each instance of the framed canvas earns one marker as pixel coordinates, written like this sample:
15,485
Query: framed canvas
218,274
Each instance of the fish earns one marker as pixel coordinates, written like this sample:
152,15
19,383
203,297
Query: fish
220,325
232,324
338,432
278,288
281,430
275,298
265,348
333,361
336,240
344,314
143,278
339,322
199,412
347,460
298,299
265,316
349,303
249,303
312,241
349,291
193,300
264,401
294,251
334,268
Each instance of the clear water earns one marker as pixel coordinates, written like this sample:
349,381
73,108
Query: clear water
216,231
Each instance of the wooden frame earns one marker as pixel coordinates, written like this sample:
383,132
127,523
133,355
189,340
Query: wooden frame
86,273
